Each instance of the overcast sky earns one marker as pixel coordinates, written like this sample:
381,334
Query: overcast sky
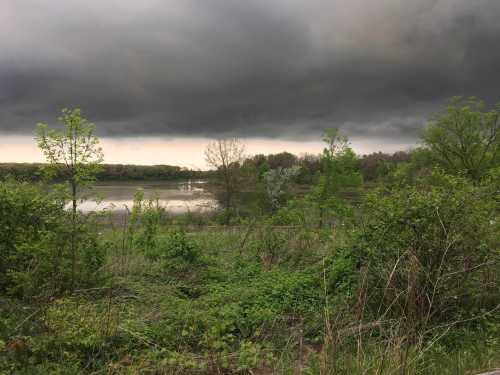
277,69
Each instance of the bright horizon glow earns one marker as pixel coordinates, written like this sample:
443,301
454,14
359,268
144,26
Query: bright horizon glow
182,151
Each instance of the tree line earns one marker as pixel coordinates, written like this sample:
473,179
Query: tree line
108,172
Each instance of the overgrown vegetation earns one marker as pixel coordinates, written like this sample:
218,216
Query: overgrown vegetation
336,268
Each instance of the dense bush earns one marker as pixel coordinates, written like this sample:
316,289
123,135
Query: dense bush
149,214
34,243
178,253
428,252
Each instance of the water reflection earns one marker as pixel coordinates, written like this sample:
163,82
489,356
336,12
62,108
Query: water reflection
176,197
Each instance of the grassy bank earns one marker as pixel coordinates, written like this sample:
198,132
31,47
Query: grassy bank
250,300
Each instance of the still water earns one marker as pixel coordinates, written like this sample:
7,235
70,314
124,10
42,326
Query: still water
176,197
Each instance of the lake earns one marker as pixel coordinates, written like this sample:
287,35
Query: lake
176,197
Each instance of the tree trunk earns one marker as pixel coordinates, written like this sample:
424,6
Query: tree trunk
73,234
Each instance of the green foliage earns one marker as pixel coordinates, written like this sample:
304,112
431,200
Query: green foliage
236,310
295,212
144,224
378,166
270,246
428,250
268,296
74,150
465,139
108,172
339,170
124,172
177,245
72,336
408,172
178,253
25,215
35,243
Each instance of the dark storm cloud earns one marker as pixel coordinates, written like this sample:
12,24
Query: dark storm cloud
262,67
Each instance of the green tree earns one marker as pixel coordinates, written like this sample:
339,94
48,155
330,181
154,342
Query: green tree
339,169
465,139
74,153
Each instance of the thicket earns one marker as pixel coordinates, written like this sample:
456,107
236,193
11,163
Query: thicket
35,243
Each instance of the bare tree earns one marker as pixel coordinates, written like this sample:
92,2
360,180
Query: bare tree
226,156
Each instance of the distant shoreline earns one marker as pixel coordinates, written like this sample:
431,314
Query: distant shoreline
110,172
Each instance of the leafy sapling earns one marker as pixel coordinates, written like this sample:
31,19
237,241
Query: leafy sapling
73,153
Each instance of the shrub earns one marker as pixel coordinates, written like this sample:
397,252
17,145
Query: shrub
34,243
178,252
428,251
270,246
150,216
